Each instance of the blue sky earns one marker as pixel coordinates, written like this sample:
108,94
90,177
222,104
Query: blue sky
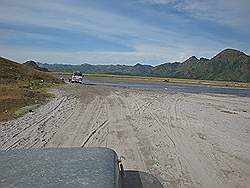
121,32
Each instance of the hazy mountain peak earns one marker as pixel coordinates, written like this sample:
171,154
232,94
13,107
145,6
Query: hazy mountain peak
138,64
228,54
232,51
30,63
191,59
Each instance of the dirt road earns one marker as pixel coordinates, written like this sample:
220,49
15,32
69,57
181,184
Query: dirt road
185,140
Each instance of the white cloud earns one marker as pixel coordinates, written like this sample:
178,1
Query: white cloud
147,54
159,1
82,19
150,43
233,13
229,12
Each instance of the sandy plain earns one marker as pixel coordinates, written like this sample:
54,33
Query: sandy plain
185,140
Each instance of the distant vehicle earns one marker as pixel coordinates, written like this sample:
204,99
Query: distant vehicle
76,77
69,167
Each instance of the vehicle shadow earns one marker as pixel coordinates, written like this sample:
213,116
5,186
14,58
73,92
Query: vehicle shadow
138,179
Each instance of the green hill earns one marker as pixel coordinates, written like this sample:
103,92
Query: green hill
228,65
12,72
20,86
35,66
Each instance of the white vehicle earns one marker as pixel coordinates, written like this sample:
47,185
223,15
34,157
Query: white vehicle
77,77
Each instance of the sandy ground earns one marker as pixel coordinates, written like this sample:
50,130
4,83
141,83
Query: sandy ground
185,140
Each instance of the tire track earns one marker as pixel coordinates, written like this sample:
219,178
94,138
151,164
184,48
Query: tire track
96,110
167,130
93,133
41,118
37,132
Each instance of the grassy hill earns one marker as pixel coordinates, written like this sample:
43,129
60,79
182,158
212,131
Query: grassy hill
228,65
21,85
35,66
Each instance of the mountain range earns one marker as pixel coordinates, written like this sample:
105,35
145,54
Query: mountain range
228,65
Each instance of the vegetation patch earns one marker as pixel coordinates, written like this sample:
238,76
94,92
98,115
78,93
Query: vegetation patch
22,86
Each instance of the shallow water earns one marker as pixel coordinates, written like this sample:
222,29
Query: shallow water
173,88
